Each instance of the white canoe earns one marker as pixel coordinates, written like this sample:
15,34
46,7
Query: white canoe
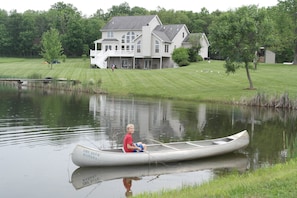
86,176
160,153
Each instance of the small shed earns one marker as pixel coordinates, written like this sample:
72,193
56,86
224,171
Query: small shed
266,56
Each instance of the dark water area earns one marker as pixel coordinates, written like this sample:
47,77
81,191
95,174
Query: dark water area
40,128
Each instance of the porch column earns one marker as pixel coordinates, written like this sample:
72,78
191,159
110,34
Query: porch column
96,45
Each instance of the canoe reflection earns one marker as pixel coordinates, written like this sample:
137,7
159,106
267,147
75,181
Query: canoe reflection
86,176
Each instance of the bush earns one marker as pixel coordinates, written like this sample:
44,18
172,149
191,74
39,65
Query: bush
192,55
181,56
184,63
199,58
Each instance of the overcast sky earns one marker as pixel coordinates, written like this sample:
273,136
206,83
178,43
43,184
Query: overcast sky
89,7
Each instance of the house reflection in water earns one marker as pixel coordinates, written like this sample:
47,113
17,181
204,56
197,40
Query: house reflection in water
152,119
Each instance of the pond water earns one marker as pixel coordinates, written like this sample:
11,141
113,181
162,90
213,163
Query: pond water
39,129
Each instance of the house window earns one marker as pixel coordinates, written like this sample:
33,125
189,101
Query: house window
183,35
108,47
166,49
157,46
138,47
109,34
132,36
128,38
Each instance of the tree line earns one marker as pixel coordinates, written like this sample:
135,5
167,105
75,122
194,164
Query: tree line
21,33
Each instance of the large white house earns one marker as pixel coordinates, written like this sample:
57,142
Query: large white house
141,42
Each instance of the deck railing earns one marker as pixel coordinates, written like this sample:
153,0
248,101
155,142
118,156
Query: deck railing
96,53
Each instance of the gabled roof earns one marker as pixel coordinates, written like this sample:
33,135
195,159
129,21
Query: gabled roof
128,23
168,32
199,34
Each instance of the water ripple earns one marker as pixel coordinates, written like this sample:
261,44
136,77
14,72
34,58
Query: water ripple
14,131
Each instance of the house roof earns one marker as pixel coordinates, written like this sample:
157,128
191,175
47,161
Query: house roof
187,39
127,23
110,40
167,32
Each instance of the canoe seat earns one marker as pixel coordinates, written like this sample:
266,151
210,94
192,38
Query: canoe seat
218,142
193,144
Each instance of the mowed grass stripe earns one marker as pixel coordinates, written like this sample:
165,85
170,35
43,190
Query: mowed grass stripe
199,81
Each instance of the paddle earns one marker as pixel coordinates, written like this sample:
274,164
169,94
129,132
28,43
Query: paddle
163,144
91,142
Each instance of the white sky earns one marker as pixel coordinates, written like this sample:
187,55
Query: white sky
89,7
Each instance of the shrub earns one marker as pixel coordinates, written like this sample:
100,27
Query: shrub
199,58
181,56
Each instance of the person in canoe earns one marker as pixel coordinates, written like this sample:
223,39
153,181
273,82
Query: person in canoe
128,144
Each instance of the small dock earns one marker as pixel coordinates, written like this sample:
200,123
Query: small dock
44,81
37,82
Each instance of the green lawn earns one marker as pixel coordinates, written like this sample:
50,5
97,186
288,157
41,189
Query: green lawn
200,81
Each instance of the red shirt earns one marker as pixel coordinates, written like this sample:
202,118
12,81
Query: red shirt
128,140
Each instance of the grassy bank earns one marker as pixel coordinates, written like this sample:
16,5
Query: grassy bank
277,181
199,82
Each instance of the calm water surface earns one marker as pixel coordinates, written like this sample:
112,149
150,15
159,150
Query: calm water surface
39,130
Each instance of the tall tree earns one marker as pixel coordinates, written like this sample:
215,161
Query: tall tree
200,21
238,34
285,16
13,26
139,11
28,34
91,27
5,38
51,46
172,16
68,21
121,10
